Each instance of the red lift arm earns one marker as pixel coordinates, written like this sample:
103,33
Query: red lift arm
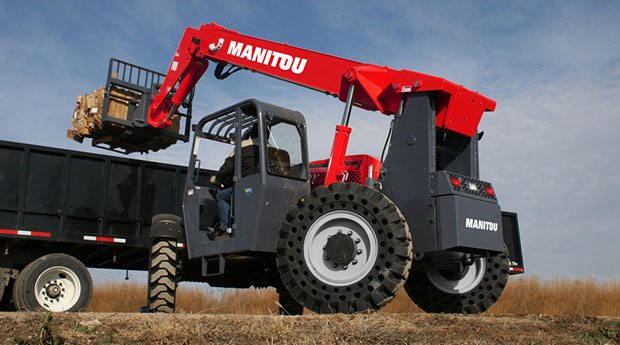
367,86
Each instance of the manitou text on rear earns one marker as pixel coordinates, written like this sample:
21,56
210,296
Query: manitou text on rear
480,224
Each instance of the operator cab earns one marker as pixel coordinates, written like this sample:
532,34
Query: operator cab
261,196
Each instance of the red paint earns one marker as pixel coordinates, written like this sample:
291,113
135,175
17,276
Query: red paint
356,167
377,88
335,168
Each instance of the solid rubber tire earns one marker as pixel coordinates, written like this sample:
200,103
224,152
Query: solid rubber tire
391,266
162,281
477,300
23,289
288,304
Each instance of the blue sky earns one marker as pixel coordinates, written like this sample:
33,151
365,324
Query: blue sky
550,148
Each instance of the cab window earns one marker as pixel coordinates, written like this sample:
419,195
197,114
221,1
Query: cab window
284,150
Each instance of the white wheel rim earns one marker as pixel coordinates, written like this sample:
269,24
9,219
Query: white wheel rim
57,289
328,225
472,278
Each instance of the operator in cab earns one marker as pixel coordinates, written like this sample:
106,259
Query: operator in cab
223,178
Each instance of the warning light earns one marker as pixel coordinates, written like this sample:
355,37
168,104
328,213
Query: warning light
456,182
489,190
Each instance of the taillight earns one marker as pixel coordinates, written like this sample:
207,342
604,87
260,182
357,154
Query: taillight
456,182
489,190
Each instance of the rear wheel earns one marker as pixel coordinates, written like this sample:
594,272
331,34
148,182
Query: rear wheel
473,291
54,282
162,283
344,249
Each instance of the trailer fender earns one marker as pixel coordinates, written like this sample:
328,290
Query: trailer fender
167,226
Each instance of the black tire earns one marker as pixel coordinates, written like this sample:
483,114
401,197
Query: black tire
376,273
428,292
162,284
54,282
288,305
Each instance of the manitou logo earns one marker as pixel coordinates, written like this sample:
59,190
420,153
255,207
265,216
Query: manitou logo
480,224
267,57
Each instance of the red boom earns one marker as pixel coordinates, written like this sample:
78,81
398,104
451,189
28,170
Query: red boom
379,88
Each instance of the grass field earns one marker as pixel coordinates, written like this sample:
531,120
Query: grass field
523,295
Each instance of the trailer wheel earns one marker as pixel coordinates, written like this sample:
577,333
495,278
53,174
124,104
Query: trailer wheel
344,249
162,283
473,292
54,282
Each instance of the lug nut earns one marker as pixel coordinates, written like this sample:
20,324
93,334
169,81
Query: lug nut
350,233
334,265
326,257
354,262
359,251
340,231
345,267
357,240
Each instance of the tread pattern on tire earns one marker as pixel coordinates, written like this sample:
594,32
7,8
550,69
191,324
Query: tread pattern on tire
288,305
430,299
392,264
162,283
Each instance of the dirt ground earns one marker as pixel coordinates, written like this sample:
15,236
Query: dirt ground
127,328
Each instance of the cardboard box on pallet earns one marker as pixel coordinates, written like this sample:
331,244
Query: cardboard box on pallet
87,118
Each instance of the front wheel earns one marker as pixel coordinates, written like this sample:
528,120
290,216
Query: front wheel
162,282
344,249
473,291
54,282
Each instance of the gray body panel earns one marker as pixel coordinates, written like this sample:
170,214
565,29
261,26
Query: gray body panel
453,213
407,166
416,178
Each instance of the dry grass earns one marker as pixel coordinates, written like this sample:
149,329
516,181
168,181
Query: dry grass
523,295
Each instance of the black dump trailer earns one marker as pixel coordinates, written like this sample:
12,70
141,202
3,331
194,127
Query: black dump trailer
62,211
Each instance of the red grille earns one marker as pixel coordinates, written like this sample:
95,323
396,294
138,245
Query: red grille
356,166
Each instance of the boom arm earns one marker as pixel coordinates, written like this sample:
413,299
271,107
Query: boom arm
367,86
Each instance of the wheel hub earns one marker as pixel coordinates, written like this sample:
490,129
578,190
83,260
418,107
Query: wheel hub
53,290
340,249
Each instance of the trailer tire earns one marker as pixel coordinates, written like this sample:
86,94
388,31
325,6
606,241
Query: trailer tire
367,237
54,282
162,283
433,292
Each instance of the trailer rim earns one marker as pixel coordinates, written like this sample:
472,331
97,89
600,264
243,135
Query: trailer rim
57,289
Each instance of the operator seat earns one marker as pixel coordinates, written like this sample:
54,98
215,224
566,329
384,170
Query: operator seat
278,162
